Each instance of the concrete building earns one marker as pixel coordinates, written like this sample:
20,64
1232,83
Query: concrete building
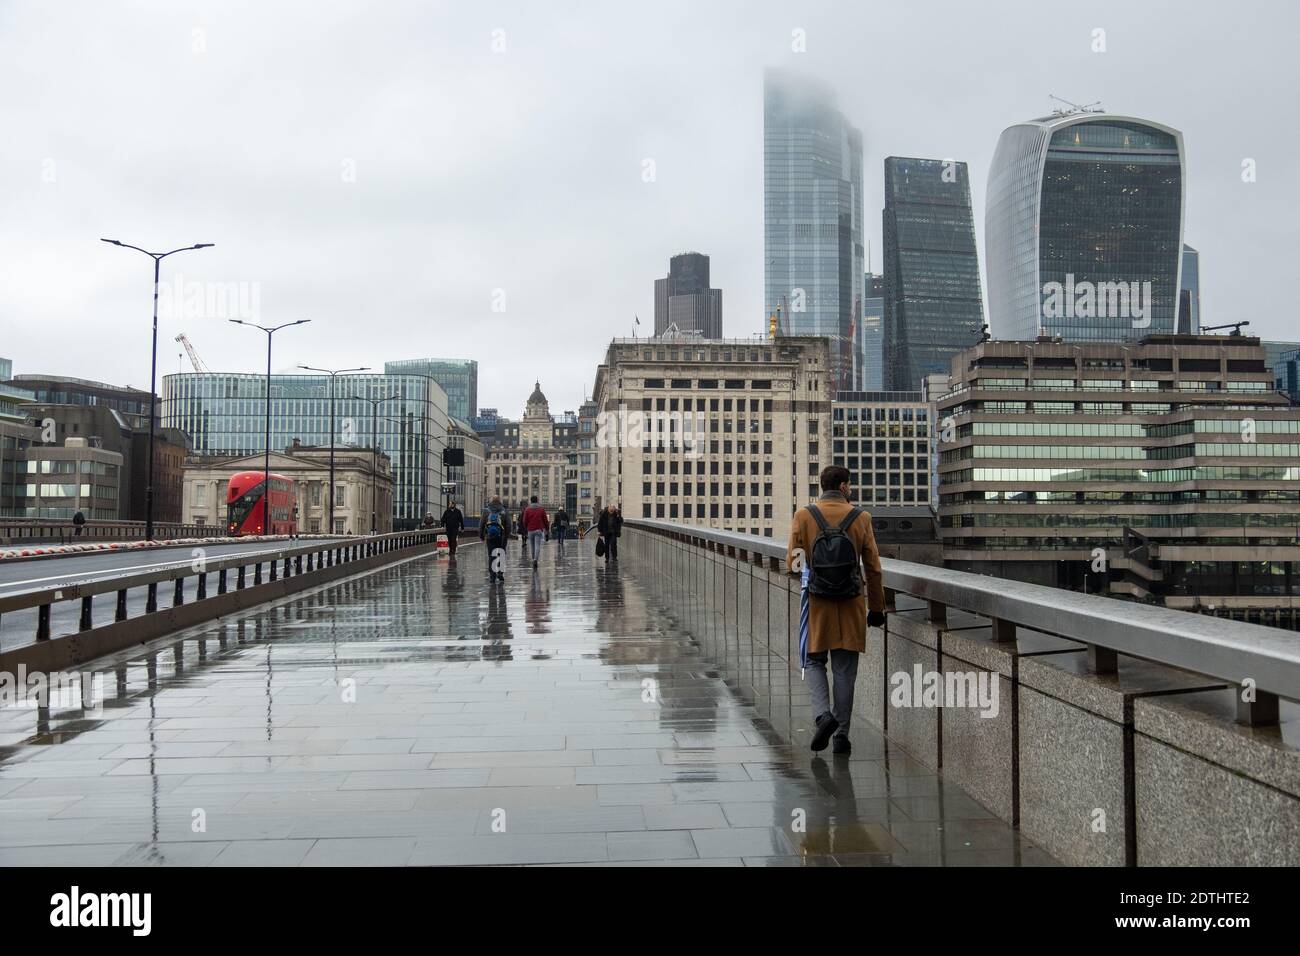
527,459
359,477
131,403
726,433
1166,472
61,480
584,513
684,301
470,478
884,439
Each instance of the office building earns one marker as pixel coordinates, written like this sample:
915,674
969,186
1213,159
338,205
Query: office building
1189,293
458,378
526,458
57,481
1083,228
884,440
933,304
584,514
131,403
470,478
360,475
812,216
871,335
1286,375
684,303
1167,471
726,433
404,416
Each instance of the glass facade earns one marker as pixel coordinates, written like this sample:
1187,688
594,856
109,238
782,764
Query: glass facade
1189,292
1084,229
871,335
933,304
812,215
458,378
225,415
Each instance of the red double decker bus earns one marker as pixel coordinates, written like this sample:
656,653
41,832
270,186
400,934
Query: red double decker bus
246,505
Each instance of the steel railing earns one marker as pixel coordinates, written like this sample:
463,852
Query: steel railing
290,561
20,531
1265,659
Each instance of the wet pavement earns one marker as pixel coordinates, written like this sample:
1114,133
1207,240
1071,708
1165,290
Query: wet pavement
420,715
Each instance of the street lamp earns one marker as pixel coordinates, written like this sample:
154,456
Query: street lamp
331,373
266,469
157,257
374,449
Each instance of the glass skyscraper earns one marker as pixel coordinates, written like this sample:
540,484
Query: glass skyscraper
225,415
871,335
683,298
1084,228
933,305
458,378
812,215
1189,292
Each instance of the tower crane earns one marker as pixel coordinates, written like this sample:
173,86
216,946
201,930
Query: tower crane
194,356
1235,326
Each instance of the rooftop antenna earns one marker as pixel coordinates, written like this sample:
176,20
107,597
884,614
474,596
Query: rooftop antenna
1074,107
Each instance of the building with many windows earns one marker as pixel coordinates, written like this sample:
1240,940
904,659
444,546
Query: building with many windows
684,301
404,416
933,304
531,457
1166,472
1189,293
812,215
1286,375
1083,228
76,476
726,433
360,477
470,478
884,440
131,403
870,373
458,378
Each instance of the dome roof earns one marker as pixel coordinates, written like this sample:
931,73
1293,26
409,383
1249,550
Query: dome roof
537,398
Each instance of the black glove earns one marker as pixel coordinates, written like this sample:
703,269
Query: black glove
875,619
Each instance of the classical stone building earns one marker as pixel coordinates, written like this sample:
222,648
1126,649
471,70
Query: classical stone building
359,477
534,459
726,433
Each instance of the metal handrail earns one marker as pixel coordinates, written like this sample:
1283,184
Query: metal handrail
1231,651
185,569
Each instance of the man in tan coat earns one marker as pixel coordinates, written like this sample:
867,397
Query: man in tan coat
837,625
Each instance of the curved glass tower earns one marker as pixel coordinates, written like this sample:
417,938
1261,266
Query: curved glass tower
1084,228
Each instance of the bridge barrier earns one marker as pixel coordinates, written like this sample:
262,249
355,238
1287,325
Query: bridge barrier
295,567
18,532
1124,734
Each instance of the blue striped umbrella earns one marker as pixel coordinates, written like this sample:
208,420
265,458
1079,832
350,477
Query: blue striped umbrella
803,621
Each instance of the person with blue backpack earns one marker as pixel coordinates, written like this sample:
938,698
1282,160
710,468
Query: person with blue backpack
493,531
831,544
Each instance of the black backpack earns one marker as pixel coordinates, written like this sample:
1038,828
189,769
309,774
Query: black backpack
835,572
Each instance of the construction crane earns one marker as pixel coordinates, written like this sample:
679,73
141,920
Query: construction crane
194,356
1235,326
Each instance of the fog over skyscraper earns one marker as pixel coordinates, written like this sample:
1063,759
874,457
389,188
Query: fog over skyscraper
812,214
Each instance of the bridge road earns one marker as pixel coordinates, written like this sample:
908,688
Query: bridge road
419,715
18,628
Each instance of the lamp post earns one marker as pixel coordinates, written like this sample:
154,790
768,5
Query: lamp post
270,330
157,257
374,450
331,373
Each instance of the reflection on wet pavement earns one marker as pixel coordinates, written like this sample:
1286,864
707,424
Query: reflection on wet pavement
420,715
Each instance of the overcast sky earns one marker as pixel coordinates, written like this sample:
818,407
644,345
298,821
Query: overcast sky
384,168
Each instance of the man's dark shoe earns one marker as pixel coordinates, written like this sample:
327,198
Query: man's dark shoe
826,725
841,747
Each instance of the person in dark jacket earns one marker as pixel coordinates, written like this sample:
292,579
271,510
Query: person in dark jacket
560,527
453,522
523,533
609,528
79,522
494,530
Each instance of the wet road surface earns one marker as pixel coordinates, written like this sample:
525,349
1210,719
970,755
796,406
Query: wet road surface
421,716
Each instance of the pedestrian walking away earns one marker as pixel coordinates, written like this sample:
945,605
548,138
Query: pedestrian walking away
560,526
536,524
832,541
609,529
494,530
453,522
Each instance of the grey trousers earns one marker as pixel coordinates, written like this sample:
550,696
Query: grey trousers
536,538
844,665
